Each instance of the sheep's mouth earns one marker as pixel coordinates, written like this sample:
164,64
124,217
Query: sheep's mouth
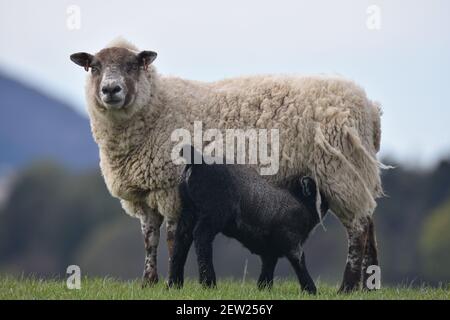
113,103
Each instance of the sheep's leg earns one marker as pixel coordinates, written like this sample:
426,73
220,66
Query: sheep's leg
298,262
353,267
203,239
371,251
150,225
182,244
171,228
265,280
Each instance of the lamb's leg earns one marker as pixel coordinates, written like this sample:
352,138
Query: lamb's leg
203,239
299,265
371,251
265,280
150,225
182,244
353,267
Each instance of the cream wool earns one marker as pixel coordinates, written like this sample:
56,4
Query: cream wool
328,129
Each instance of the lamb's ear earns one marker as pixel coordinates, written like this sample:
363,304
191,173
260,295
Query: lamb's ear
145,58
82,59
308,186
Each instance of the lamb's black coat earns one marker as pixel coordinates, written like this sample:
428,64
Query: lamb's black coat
233,199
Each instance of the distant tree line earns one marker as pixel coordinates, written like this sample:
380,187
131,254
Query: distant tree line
55,217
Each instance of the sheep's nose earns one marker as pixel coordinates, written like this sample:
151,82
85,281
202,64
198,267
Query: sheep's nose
111,90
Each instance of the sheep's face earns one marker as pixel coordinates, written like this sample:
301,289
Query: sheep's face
115,77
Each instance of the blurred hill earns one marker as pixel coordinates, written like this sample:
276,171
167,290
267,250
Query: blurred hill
35,126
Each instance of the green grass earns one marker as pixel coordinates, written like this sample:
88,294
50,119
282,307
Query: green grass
107,288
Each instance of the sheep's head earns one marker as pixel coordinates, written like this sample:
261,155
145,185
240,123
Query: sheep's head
115,77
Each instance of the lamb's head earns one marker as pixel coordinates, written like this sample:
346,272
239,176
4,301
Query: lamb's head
119,81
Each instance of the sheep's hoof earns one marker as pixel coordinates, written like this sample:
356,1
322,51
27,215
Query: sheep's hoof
174,284
149,281
364,288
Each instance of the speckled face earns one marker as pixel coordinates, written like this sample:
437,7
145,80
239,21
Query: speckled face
115,74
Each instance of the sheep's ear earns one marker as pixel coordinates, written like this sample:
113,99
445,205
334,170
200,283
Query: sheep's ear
82,59
145,58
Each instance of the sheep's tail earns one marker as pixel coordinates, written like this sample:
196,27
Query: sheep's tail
358,176
377,112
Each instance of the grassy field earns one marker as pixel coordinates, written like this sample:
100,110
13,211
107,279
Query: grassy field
106,288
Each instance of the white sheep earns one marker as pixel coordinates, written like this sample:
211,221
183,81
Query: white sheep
328,129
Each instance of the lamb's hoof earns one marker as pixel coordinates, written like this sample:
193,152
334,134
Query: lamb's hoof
310,290
265,285
208,284
348,288
149,281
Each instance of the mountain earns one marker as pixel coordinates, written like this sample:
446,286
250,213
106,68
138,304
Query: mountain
35,126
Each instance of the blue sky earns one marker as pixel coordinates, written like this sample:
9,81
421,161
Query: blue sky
405,64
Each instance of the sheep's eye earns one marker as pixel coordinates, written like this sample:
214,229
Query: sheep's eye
95,69
132,67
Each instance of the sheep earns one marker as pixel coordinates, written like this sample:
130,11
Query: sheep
236,201
328,130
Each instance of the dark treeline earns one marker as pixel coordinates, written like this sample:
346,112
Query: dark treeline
54,217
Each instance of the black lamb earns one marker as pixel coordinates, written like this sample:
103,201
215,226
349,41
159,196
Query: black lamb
233,199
